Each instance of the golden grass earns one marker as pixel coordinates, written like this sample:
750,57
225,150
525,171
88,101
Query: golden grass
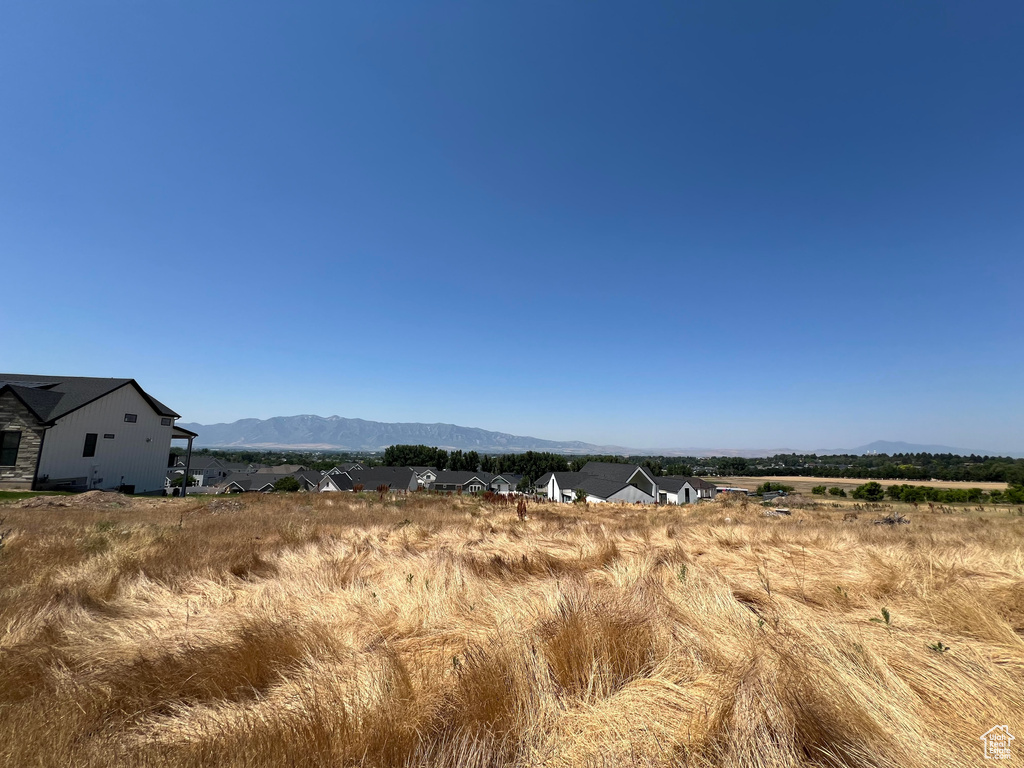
326,629
804,484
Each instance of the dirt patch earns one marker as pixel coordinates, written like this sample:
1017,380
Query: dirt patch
94,500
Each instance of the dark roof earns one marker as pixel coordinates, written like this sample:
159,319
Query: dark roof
252,482
342,480
611,471
701,484
543,479
600,487
673,484
513,479
421,470
395,477
454,477
50,397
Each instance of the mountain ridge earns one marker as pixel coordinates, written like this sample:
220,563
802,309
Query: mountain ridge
308,432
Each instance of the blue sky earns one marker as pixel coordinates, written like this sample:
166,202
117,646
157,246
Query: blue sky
657,225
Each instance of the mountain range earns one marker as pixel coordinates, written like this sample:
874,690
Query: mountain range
336,433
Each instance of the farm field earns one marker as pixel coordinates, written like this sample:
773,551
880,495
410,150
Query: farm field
804,484
342,629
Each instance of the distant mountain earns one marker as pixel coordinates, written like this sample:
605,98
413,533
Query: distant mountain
334,433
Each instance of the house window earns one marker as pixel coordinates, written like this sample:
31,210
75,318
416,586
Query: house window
131,418
165,422
90,445
9,442
108,436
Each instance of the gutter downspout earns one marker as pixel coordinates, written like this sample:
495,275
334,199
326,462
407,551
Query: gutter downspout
188,462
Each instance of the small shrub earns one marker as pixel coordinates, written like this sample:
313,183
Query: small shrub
835,490
818,490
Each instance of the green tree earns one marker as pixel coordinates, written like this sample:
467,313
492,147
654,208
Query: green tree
288,483
770,487
192,481
869,492
818,490
835,490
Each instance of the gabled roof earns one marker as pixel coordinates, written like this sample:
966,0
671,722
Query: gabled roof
252,482
456,477
600,487
341,481
281,469
543,479
397,477
673,484
50,397
701,484
200,462
611,471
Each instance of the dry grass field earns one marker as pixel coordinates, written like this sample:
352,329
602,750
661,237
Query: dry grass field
804,484
335,630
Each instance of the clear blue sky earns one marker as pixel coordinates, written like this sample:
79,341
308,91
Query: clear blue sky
694,224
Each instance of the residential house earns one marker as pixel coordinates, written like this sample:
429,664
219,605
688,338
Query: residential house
261,482
683,490
504,483
333,482
309,479
207,470
602,482
455,481
425,475
342,468
395,478
80,433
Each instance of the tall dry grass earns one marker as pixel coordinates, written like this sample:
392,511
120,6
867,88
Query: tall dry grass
334,630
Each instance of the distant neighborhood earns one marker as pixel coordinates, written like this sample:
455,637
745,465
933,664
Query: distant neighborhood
595,482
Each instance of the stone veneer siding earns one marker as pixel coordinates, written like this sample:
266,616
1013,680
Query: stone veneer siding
14,416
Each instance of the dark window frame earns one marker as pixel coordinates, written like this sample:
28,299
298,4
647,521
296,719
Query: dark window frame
7,449
131,418
89,449
108,436
165,422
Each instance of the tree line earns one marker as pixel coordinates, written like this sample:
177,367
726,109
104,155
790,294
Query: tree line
534,464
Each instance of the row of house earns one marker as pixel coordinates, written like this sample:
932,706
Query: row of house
598,482
602,482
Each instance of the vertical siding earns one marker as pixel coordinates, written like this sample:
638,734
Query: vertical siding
138,451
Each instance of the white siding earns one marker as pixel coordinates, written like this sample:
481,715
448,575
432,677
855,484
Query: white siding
138,452
630,495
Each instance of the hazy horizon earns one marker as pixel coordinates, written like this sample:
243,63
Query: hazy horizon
702,225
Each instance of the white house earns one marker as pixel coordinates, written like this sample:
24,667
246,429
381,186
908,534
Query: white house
603,482
684,490
425,475
78,433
